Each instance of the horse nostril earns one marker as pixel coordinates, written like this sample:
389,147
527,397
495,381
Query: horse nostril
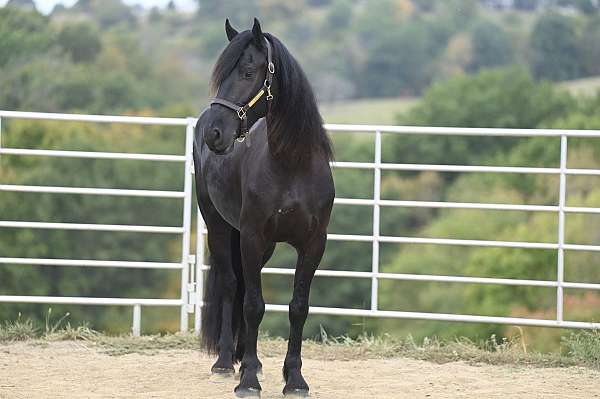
213,135
216,133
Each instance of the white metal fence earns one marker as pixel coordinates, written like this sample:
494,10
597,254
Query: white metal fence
192,267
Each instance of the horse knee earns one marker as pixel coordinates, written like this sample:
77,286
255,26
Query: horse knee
230,284
254,308
298,310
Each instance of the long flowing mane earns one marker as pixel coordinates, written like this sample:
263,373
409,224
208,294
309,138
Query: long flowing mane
294,124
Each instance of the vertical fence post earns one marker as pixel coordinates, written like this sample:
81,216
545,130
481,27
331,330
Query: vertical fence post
560,267
136,329
199,272
187,215
376,197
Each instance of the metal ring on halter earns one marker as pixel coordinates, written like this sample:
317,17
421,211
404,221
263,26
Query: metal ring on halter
241,113
241,138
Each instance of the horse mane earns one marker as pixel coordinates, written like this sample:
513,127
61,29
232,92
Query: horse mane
294,124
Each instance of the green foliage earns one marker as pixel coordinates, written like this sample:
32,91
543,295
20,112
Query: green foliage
416,45
491,46
107,12
590,47
23,34
584,346
504,98
80,41
339,15
555,48
18,330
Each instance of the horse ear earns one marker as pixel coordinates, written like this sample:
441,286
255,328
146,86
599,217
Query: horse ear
259,39
231,32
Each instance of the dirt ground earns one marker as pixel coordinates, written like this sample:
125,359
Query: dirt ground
78,370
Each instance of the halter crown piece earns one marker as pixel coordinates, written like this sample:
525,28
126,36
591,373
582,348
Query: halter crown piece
241,111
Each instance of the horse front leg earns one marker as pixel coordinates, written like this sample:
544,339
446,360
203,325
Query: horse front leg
253,248
308,261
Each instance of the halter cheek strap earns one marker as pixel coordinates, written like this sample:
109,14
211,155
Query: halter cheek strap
242,110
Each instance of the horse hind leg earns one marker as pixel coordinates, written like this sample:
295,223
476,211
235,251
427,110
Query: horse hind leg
308,261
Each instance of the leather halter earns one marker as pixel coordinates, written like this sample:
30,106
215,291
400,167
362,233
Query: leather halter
242,110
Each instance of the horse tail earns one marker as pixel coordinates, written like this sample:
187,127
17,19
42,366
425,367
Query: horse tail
238,323
212,310
214,293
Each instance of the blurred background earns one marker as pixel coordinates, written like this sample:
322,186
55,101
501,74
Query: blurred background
487,63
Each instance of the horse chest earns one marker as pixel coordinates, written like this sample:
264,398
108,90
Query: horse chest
223,190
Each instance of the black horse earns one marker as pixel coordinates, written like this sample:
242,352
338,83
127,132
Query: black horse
262,176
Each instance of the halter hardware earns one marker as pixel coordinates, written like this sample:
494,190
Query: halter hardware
242,111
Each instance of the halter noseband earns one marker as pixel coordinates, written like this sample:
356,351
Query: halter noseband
242,111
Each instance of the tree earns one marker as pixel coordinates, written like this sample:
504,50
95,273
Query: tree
239,11
504,98
491,46
457,57
590,48
80,41
399,62
527,5
23,34
554,47
23,4
339,15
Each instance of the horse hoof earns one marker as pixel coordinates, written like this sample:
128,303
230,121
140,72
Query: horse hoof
296,393
247,393
221,375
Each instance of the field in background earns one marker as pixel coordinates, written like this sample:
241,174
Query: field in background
369,111
582,87
383,111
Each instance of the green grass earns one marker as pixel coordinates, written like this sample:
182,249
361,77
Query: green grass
577,349
584,346
375,111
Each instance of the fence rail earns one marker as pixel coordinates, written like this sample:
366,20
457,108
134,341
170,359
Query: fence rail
193,267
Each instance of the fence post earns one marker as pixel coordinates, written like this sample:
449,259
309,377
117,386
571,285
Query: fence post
376,197
560,267
199,271
136,329
187,211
